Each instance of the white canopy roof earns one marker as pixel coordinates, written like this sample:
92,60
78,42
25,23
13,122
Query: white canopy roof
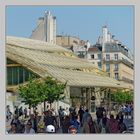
47,59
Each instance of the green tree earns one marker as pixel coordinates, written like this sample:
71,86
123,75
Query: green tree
29,93
52,90
121,96
46,90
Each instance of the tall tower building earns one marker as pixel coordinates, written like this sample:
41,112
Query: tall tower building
46,29
105,34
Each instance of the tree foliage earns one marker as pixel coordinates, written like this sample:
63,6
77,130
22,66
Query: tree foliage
51,90
38,91
29,92
122,96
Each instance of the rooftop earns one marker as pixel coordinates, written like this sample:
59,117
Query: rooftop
46,59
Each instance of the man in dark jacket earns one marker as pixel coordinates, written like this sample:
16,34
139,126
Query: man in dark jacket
49,119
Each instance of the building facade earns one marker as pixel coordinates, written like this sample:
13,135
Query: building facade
46,29
113,57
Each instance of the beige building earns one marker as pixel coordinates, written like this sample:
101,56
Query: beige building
113,57
46,29
69,41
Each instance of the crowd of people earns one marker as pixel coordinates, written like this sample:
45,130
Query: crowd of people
66,121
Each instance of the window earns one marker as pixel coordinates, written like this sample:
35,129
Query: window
107,56
116,56
92,56
116,67
99,56
9,76
107,67
99,64
17,75
116,76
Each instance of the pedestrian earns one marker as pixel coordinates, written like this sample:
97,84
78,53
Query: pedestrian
122,127
85,115
50,120
25,112
66,124
20,111
16,121
129,111
41,125
74,121
91,124
33,120
67,110
29,129
86,126
61,115
119,117
103,123
8,113
16,112
80,113
13,129
72,130
113,125
99,114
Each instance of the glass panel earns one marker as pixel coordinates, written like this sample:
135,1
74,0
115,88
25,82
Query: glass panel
99,56
9,76
15,75
116,56
26,75
116,76
107,56
20,75
107,67
116,67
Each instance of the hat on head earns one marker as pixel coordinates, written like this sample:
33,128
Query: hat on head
50,129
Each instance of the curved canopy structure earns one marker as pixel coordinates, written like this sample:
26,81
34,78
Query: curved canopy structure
46,59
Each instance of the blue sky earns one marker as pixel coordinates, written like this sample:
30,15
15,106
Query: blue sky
83,21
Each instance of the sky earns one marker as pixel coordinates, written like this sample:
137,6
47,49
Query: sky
83,21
